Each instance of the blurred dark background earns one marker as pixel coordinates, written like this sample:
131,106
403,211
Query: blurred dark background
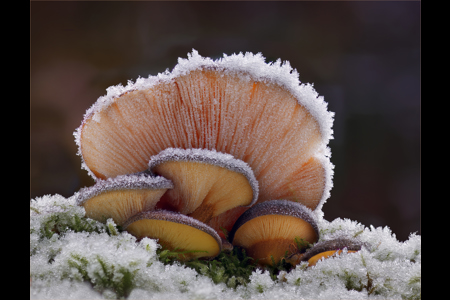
363,57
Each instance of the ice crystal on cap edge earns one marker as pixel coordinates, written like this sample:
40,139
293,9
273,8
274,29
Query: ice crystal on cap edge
324,157
276,72
129,181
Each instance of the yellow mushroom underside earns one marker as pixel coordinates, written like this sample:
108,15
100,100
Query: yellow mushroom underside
273,235
172,235
120,205
203,191
313,260
257,122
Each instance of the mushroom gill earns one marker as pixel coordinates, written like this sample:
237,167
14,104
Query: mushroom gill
122,197
256,111
176,232
206,183
268,230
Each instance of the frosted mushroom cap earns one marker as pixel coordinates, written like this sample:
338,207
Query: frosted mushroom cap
270,228
256,111
206,182
176,231
328,248
121,197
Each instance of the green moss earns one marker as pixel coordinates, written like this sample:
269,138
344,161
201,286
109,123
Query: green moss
301,243
358,233
232,268
352,281
106,277
260,288
111,229
61,223
167,256
275,268
35,210
416,291
79,263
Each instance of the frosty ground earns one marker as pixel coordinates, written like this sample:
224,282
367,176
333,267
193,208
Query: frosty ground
73,257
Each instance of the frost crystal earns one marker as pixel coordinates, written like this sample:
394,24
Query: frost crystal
67,261
123,182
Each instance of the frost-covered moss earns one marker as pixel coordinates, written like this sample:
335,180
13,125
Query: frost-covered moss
73,257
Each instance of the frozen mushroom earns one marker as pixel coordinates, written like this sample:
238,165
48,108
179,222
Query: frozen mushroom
122,197
258,112
326,249
206,183
176,232
269,229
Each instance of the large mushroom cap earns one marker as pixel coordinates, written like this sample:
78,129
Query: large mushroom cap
123,196
176,231
256,111
269,229
206,183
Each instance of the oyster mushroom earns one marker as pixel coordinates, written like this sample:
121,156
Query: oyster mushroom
123,196
239,104
176,231
269,229
206,183
326,249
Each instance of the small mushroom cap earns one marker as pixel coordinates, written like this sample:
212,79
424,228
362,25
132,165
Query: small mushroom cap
121,197
256,111
313,260
176,231
270,228
206,183
328,248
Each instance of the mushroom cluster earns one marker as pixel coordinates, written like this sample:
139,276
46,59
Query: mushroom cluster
223,151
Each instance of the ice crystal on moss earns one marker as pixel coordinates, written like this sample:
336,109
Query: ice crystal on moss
102,262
